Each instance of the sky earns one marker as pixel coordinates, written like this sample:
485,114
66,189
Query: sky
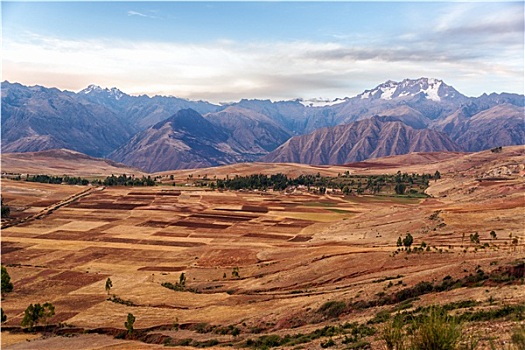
226,51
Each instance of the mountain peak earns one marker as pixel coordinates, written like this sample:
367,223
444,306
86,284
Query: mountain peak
92,89
430,88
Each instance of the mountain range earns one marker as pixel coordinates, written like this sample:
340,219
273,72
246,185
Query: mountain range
163,133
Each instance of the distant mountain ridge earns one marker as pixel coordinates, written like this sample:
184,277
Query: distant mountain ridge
365,139
108,122
184,140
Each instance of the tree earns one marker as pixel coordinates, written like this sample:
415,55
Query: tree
236,331
7,286
182,280
33,314
109,285
5,209
400,188
493,234
474,238
399,241
437,175
235,272
4,316
408,240
129,323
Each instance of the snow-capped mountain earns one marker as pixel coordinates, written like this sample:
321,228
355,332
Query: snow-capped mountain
99,120
321,102
113,93
429,88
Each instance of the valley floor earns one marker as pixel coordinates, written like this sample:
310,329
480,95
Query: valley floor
259,262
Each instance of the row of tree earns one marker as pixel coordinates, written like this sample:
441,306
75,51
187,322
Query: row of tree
121,180
399,183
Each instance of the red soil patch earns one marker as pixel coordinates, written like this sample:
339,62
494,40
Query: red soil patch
136,198
77,279
200,225
23,256
168,193
267,236
163,268
172,234
151,242
254,209
71,235
154,223
224,217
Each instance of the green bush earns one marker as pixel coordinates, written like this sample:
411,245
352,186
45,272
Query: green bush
328,344
433,331
518,336
7,286
332,309
394,335
437,331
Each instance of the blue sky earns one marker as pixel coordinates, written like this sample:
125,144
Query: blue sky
225,51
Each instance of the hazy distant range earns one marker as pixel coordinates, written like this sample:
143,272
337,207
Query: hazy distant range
163,133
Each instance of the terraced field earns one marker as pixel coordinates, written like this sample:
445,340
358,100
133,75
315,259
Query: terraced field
259,262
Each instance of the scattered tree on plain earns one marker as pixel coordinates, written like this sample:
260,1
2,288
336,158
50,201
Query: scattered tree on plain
34,314
408,240
182,280
7,286
129,323
6,211
109,285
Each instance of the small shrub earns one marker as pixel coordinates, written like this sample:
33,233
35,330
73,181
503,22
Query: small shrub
518,336
437,331
380,317
394,336
130,321
332,309
359,345
327,344
118,300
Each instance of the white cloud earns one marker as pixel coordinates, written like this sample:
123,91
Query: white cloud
227,71
139,14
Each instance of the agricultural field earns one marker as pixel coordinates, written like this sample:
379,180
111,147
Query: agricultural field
258,269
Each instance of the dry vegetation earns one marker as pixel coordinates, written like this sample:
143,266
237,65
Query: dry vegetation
261,265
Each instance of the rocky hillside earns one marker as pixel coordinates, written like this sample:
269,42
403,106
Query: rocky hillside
370,138
101,121
36,118
185,140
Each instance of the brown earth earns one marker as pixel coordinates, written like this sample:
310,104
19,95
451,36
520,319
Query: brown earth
292,257
62,162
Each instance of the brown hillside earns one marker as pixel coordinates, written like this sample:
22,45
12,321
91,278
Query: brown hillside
62,162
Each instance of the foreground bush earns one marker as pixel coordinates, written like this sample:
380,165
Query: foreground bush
433,331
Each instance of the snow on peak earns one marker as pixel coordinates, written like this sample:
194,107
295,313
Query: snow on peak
320,102
113,92
389,90
116,93
91,88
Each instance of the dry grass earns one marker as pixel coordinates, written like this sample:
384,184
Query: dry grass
292,258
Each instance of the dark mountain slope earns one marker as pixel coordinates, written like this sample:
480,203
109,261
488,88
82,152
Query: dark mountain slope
185,140
369,138
36,118
250,132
